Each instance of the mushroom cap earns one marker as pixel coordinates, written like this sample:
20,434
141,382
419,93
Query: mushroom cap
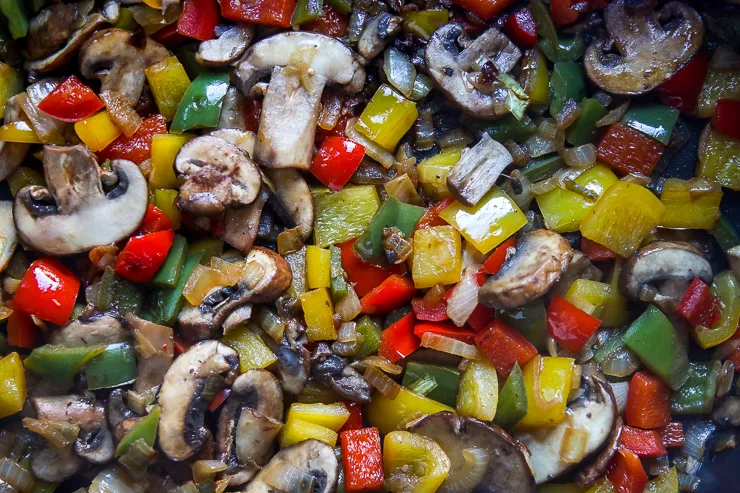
91,331
649,52
227,48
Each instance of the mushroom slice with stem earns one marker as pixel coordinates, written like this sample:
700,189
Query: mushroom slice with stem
231,43
189,385
12,153
483,457
477,171
217,176
233,117
541,258
73,214
8,235
380,31
292,192
155,349
301,64
649,51
91,331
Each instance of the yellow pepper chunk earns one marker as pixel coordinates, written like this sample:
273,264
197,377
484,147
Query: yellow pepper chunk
590,296
253,352
423,23
477,395
13,389
433,173
719,158
332,416
168,82
615,312
164,150
539,92
20,132
564,210
386,414
97,131
318,267
318,311
689,210
166,199
495,218
437,257
11,83
624,215
554,375
719,83
297,430
387,117
665,483
413,463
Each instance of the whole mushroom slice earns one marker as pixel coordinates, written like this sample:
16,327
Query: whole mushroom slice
91,331
8,235
293,194
217,176
73,214
477,171
541,258
483,457
189,385
227,48
649,51
12,153
301,65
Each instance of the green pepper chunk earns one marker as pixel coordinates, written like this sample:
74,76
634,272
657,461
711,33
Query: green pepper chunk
725,234
169,273
201,104
541,15
613,346
60,364
343,6
512,400
118,295
339,286
530,320
114,367
209,247
565,50
584,129
447,380
306,11
696,396
22,177
654,120
126,20
567,82
507,128
166,303
543,168
343,215
15,12
370,330
145,429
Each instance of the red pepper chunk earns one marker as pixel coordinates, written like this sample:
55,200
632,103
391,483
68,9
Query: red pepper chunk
438,313
628,151
48,290
504,347
563,12
521,28
169,36
481,317
355,416
494,263
219,399
643,443
138,147
648,401
672,434
570,326
596,252
485,9
431,218
726,118
155,220
331,22
394,292
71,101
364,276
698,306
199,19
399,340
682,90
626,473
446,329
22,332
336,161
362,460
143,255
266,12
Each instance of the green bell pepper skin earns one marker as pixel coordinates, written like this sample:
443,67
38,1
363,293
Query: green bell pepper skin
696,396
567,82
512,400
169,273
583,131
114,367
145,429
725,234
119,295
615,344
545,26
506,128
15,12
393,212
60,364
339,286
653,338
543,168
166,303
447,380
201,104
306,11
343,6
566,49
530,320
654,120
370,330
126,20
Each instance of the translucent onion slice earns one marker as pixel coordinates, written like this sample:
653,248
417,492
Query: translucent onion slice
451,346
614,115
382,364
58,434
288,478
573,445
16,476
201,282
620,390
138,456
347,332
7,440
464,298
470,475
348,307
373,150
207,469
579,157
382,382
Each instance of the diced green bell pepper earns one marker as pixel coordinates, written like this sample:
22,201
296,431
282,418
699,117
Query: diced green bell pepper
145,429
114,367
306,11
166,303
297,262
541,15
126,20
339,286
696,396
613,345
22,177
512,400
169,273
201,104
370,331
567,82
15,12
343,6
343,215
583,131
530,320
60,364
654,120
566,49
447,380
506,128
118,295
725,234
543,168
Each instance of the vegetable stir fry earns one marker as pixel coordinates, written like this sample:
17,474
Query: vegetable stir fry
343,246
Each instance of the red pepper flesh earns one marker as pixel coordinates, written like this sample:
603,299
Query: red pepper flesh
431,218
336,161
648,401
672,434
394,292
481,317
493,263
570,326
138,147
521,28
22,332
330,23
438,313
155,220
219,399
595,251
485,9
143,255
399,340
563,12
362,460
643,443
446,329
726,117
71,101
504,347
355,416
48,290
364,276
682,90
698,306
628,151
199,19
626,473
266,12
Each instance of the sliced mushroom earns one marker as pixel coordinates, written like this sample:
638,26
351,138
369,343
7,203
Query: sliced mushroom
378,32
294,360
8,235
49,30
155,349
541,258
227,48
118,58
96,446
649,51
597,469
334,372
12,153
233,116
217,176
477,171
189,384
301,64
117,410
291,190
68,216
242,225
55,465
444,62
91,331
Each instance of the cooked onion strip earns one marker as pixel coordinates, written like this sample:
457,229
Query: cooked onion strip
450,346
382,382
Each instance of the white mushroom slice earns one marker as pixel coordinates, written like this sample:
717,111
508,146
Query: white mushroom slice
91,331
73,214
493,45
227,48
12,153
233,115
8,235
477,171
380,31
291,190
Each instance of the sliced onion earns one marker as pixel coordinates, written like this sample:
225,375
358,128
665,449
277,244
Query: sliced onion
48,129
347,349
207,469
399,71
346,343
544,186
687,482
552,346
121,112
373,150
188,487
58,434
403,424
348,307
457,137
579,157
403,188
538,146
636,178
16,476
347,332
11,285
696,437
620,364
331,110
383,364
724,380
290,240
518,155
139,402
382,382
656,466
423,85
548,130
423,385
450,346
573,445
464,298
424,131
614,115
620,390
152,20
201,282
138,456
524,196
474,469
575,377
432,297
288,478
463,364
603,98
270,323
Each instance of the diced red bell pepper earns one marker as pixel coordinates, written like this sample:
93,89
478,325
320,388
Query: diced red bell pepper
331,22
626,473
364,276
199,19
504,347
71,101
399,340
481,317
471,28
169,36
726,117
628,151
394,292
570,326
438,313
595,251
155,220
521,28
698,306
672,434
431,218
181,345
643,443
493,263
355,416
446,329
143,255
22,332
682,90
138,147
336,161
362,460
563,13
252,114
219,399
648,401
48,290
485,9
266,12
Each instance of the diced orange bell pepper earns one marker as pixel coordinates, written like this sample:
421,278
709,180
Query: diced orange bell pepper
643,443
504,347
628,151
626,473
392,293
648,401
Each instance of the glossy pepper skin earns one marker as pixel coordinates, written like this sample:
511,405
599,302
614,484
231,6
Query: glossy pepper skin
521,28
569,325
682,90
648,401
628,151
505,347
48,290
143,255
266,12
726,118
138,147
336,161
198,19
71,101
399,340
626,473
643,443
22,332
13,390
394,292
201,104
698,306
485,9
362,460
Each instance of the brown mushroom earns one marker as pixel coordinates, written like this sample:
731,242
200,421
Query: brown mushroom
91,331
293,194
379,31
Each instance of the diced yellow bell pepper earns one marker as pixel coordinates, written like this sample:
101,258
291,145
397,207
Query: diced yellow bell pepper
343,215
318,267
413,463
495,218
538,83
423,23
168,82
590,296
719,158
13,389
318,311
253,352
387,118
164,150
605,486
20,132
11,83
433,173
333,416
564,210
555,375
624,215
165,199
386,414
477,395
719,83
615,313
97,131
297,430
201,282
437,257
665,483
687,210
